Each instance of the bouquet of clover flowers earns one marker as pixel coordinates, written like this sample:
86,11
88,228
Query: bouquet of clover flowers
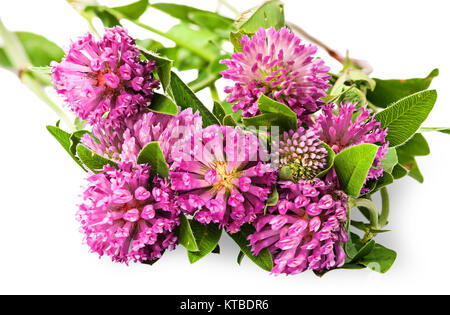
280,164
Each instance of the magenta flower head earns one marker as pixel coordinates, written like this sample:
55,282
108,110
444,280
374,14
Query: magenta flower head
343,130
302,154
276,64
221,177
305,230
105,78
123,143
126,217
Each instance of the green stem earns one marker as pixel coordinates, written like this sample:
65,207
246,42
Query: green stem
229,6
367,237
19,59
92,28
373,211
214,93
200,85
428,129
196,50
385,207
80,8
14,49
33,85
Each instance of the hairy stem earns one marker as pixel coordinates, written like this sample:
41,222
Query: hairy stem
14,49
227,5
34,86
21,64
364,65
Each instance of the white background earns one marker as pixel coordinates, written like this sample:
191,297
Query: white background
40,246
